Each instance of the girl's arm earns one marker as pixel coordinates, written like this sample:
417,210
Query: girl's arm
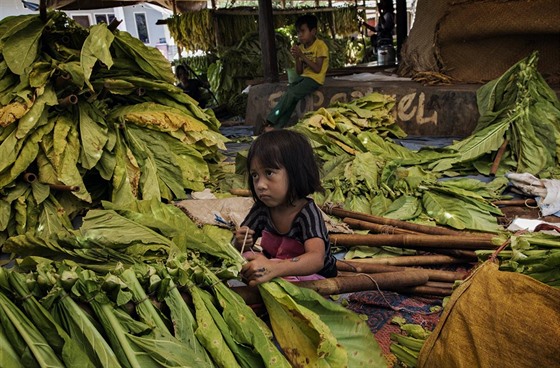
260,269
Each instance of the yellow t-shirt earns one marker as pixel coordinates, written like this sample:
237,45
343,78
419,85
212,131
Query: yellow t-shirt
316,50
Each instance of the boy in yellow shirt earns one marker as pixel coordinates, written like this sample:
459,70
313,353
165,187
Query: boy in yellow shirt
312,62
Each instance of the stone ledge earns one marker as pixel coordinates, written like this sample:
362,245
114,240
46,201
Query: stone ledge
437,111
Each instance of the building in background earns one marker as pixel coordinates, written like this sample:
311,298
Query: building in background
138,20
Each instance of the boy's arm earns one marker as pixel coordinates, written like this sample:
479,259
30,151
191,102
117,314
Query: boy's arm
301,59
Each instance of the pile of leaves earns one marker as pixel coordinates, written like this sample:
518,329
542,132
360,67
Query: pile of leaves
143,286
94,111
366,171
534,254
518,110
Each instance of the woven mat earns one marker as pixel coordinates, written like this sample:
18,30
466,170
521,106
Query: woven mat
382,307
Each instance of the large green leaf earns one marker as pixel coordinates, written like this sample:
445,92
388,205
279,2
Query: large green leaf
484,141
22,47
150,59
93,135
96,47
452,211
306,325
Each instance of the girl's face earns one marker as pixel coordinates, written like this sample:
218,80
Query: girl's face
271,185
305,35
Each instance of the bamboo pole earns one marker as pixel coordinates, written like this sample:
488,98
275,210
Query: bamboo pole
413,260
498,158
241,192
413,241
434,230
380,229
459,253
426,290
365,282
516,202
349,266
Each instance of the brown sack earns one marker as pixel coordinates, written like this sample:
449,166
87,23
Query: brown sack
496,319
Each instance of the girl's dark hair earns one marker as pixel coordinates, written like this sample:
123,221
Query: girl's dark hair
290,150
308,19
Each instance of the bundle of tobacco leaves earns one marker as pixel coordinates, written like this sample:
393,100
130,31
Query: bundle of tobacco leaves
89,115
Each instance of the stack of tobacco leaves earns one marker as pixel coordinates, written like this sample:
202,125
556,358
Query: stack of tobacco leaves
143,286
89,115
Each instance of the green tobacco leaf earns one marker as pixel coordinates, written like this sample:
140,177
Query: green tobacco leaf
96,47
9,356
208,332
299,306
404,208
305,339
246,327
21,48
476,145
150,59
93,135
37,344
67,348
454,212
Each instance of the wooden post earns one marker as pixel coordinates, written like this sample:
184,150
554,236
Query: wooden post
268,42
43,10
402,25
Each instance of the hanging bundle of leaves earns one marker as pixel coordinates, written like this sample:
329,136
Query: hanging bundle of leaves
94,112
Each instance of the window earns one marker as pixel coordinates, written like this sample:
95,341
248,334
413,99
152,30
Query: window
82,20
142,27
104,18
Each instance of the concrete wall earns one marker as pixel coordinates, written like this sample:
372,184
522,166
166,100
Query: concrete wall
442,111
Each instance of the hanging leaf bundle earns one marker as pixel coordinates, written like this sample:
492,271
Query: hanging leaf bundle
91,114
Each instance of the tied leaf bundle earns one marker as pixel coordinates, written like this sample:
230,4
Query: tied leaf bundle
92,114
532,254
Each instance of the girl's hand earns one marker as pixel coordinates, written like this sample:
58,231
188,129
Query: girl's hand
244,234
259,269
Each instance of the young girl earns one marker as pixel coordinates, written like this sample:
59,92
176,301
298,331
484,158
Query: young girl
295,241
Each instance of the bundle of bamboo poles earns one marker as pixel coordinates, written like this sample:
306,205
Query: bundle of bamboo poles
406,274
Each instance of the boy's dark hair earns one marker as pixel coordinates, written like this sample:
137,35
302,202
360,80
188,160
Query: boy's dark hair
292,151
308,19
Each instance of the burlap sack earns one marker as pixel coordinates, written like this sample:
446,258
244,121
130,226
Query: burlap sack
497,319
478,40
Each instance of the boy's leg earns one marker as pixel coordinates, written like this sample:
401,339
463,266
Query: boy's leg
280,114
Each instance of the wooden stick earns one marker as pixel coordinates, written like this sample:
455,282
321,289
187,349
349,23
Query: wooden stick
516,202
498,158
459,253
64,188
364,282
336,211
413,260
348,266
381,229
425,290
241,192
412,241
